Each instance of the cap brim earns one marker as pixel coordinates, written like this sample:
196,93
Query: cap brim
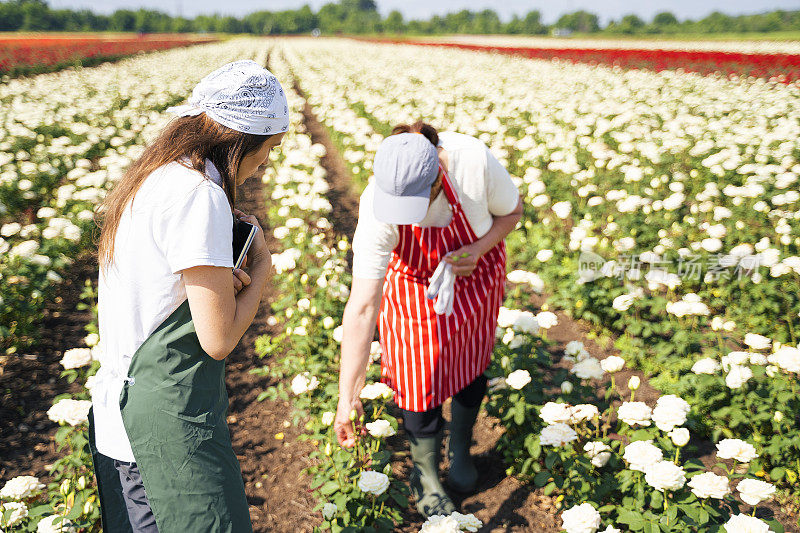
399,209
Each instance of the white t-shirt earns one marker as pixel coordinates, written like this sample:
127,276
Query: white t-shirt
179,219
481,183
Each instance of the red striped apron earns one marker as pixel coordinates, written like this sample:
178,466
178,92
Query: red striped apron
428,358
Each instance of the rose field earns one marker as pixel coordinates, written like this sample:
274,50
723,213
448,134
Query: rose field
20,54
645,374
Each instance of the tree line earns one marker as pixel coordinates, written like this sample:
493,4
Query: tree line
362,17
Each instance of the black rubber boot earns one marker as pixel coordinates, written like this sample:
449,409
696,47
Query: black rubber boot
462,475
424,479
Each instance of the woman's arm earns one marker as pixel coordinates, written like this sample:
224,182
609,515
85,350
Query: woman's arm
358,322
222,313
501,226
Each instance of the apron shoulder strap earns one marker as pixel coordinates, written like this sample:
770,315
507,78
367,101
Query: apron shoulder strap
449,191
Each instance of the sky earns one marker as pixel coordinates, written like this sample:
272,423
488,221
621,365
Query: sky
606,9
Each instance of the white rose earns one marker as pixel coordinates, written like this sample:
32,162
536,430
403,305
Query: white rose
706,366
76,358
635,413
18,512
757,342
623,302
329,510
612,364
380,428
562,209
373,482
91,339
573,348
328,418
518,379
69,411
738,376
588,368
566,387
557,435
338,334
467,522
303,383
754,491
546,319
741,523
641,454
598,452
373,391
709,485
584,411
634,382
555,413
49,525
328,322
440,524
670,411
544,255
679,437
665,475
736,449
787,358
611,529
582,518
20,488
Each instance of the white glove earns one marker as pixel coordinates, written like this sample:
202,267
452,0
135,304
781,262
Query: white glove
441,286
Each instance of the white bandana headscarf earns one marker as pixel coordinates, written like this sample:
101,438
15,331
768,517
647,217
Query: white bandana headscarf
243,96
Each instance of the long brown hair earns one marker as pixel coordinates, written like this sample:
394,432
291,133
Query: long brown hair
428,131
197,138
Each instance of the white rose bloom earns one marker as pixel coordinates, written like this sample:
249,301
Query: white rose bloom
573,348
518,379
566,387
373,391
635,413
338,334
787,358
709,485
76,358
598,452
328,418
641,454
757,342
329,510
69,411
18,511
706,366
588,368
380,428
467,522
544,255
611,529
557,435
584,411
20,488
711,244
735,358
303,383
754,491
48,525
612,364
741,523
679,437
440,524
562,209
373,482
556,413
670,411
739,450
623,302
328,322
546,319
634,382
582,518
738,376
665,475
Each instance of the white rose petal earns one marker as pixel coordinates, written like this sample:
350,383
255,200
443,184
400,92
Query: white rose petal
582,518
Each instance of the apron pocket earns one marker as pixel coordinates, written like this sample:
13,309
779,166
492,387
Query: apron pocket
182,435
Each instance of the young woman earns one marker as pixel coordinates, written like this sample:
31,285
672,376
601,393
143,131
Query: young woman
171,310
435,197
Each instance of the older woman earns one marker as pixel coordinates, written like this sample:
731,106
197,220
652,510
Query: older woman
433,221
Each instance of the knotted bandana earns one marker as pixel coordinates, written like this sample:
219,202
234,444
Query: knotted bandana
243,96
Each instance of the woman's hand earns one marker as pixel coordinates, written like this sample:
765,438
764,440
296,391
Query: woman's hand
258,249
464,260
240,278
346,428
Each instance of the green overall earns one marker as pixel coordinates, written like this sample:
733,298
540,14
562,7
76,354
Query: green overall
173,408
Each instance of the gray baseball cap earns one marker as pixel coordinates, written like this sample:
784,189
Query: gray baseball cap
405,167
